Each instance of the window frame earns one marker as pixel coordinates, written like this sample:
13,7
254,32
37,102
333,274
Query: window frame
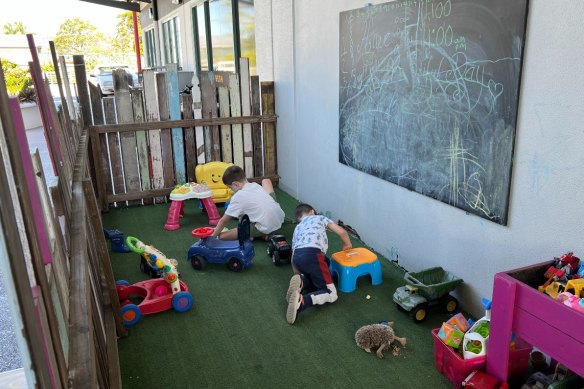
208,38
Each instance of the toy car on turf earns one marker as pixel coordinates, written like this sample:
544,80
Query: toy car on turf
155,295
424,289
236,254
279,249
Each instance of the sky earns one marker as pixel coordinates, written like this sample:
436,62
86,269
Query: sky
44,17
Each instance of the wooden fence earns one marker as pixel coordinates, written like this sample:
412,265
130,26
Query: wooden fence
57,258
151,139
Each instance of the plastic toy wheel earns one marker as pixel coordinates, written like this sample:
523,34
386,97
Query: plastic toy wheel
198,262
235,265
449,304
419,313
143,267
270,249
130,314
276,258
203,232
182,301
131,242
122,283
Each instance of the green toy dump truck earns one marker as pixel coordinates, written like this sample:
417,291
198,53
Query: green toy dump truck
425,288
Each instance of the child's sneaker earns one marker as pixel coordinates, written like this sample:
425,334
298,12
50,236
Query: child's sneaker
295,284
294,306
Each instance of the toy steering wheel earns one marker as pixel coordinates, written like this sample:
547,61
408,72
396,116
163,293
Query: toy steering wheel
203,232
131,242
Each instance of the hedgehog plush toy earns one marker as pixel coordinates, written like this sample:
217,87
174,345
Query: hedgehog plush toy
378,336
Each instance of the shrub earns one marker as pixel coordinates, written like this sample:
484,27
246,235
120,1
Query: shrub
18,81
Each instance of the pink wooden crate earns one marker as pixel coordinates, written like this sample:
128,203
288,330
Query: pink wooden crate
518,307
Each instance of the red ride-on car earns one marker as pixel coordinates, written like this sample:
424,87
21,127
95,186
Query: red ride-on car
156,296
153,296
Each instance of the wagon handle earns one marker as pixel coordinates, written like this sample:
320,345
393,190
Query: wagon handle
409,278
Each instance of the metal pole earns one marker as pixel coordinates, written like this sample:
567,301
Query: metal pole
137,42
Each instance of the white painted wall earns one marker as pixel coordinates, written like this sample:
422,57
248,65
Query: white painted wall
546,213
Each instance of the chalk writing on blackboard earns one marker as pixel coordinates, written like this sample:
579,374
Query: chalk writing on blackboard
428,95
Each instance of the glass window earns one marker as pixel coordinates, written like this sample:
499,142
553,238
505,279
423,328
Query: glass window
170,36
201,25
247,33
221,16
150,49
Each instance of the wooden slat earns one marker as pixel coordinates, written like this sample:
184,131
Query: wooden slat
67,89
235,95
268,104
183,123
60,265
114,148
66,145
256,128
31,329
7,114
141,142
29,179
99,149
163,192
127,140
190,142
47,119
81,356
224,111
152,115
197,114
165,136
246,111
209,97
55,61
178,148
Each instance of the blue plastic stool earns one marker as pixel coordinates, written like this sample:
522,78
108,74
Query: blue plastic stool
352,264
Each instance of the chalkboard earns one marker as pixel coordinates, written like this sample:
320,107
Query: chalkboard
428,96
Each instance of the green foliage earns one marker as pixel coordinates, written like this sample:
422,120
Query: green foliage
18,81
78,37
15,28
47,67
123,41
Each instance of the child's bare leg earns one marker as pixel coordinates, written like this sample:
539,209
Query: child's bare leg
267,185
380,350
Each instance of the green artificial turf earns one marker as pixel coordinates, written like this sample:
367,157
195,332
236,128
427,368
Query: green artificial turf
236,334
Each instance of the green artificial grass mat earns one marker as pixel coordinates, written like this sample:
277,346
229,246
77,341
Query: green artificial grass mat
236,334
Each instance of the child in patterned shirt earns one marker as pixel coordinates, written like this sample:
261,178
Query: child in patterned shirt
312,283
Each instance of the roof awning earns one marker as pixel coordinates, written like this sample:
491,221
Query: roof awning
127,5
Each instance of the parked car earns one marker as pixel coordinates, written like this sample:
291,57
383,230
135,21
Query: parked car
102,77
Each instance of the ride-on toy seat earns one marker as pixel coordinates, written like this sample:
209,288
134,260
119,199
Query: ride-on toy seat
211,173
351,264
236,254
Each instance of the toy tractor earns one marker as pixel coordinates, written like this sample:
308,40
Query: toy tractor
279,250
424,289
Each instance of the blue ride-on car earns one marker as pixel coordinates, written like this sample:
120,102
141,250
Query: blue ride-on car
236,254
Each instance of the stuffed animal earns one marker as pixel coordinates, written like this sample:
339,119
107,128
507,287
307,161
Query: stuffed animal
380,336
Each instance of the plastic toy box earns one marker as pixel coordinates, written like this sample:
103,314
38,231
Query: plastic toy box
456,369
